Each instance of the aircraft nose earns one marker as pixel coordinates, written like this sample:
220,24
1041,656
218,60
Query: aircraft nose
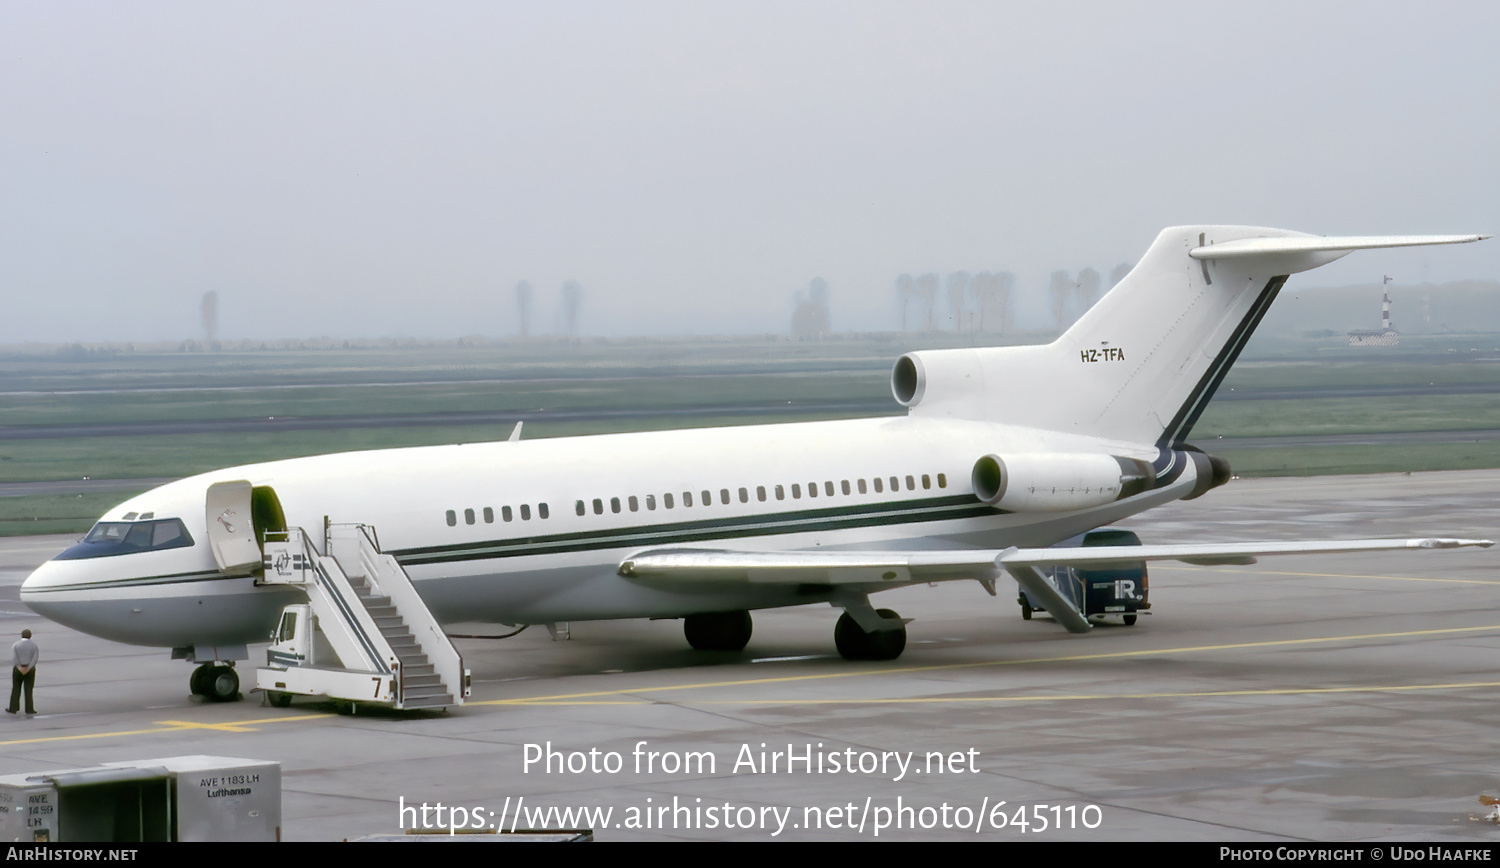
36,580
62,591
34,588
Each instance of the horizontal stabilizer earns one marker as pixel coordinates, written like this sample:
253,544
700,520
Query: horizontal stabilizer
1246,247
901,567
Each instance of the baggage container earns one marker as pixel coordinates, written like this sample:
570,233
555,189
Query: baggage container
184,798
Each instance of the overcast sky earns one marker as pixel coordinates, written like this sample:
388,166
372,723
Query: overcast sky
365,169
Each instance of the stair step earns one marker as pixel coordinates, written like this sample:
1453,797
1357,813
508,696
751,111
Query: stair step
427,701
437,702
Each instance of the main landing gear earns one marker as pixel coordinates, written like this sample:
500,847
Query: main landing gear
216,681
718,631
856,643
884,639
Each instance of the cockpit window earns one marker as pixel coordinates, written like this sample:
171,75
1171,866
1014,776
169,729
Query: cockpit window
109,538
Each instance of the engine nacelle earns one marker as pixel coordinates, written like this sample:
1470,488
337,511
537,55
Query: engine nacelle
936,376
1212,472
1054,482
908,381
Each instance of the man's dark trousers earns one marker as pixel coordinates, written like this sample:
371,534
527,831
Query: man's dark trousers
17,681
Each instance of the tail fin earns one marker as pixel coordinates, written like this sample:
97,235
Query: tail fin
1141,364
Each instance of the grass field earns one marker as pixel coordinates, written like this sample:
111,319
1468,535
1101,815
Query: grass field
1360,458
404,399
1283,418
28,516
663,385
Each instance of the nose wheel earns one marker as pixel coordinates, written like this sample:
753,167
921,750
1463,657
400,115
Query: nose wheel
217,682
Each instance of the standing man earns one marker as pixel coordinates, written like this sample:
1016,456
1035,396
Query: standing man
24,655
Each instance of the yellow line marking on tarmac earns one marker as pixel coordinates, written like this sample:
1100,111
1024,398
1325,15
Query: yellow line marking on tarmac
89,735
590,698
1322,575
1287,691
555,699
222,727
172,726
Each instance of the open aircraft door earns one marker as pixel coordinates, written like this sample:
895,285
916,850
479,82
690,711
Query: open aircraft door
231,531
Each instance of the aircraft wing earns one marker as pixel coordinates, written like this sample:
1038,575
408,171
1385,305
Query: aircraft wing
859,573
898,567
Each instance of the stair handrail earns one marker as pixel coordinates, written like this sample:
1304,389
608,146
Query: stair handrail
383,571
356,631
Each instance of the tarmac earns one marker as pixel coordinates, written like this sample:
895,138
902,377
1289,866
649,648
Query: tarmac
1342,697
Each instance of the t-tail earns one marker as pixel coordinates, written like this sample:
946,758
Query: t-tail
1140,366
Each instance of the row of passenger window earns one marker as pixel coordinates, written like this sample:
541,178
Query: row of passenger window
779,492
506,514
706,498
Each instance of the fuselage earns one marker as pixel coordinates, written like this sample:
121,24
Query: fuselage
535,531
1003,446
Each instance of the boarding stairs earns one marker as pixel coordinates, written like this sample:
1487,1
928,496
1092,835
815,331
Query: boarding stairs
390,649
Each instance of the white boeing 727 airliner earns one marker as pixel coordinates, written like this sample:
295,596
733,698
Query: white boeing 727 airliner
1003,452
